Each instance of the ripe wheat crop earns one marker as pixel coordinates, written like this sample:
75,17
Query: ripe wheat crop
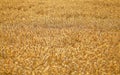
59,37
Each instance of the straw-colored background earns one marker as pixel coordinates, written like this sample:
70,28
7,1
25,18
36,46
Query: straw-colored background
59,37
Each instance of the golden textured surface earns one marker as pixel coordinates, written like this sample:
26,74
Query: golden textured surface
59,37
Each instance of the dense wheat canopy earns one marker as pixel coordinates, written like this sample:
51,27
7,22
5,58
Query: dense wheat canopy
59,37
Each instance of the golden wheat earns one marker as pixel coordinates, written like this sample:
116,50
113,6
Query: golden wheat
59,37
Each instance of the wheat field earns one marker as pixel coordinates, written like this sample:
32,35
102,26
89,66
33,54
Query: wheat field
59,37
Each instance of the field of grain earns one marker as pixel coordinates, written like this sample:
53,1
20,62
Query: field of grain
59,37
